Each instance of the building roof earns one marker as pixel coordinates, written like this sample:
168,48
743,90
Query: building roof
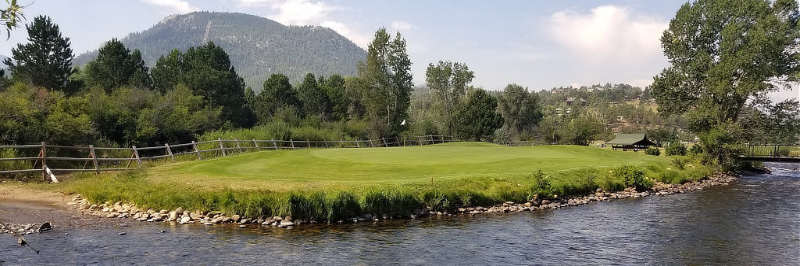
629,139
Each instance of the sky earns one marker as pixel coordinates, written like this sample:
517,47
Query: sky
537,44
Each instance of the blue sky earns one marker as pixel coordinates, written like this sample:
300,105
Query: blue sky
538,44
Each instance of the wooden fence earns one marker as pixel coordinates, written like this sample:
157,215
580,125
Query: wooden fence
58,158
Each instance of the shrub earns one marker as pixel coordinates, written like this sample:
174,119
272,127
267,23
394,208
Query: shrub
676,148
653,151
540,185
633,177
680,162
696,149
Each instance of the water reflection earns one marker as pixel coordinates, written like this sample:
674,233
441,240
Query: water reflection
755,221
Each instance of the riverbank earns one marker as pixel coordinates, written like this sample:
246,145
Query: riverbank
330,186
181,216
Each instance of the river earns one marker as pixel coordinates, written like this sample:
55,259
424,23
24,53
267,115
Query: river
754,221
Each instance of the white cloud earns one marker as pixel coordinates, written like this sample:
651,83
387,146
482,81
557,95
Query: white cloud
609,43
179,6
308,12
608,33
362,40
401,26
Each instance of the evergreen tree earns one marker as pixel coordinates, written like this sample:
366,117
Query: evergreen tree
277,93
335,89
478,117
116,66
46,60
313,99
167,71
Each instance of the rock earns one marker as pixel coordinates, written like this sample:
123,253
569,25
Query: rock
185,220
236,218
122,233
286,223
287,218
179,210
172,216
46,226
244,221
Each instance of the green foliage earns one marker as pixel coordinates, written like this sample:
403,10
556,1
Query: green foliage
540,185
386,84
680,162
725,55
448,83
675,149
116,66
336,91
11,16
313,99
520,109
583,129
477,117
696,149
46,60
653,151
208,72
633,177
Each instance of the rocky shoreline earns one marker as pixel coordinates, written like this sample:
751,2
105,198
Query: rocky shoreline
180,216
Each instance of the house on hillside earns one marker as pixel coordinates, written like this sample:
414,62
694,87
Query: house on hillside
630,142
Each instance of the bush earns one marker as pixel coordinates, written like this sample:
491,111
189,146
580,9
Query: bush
696,149
633,177
540,185
653,151
672,177
676,148
680,162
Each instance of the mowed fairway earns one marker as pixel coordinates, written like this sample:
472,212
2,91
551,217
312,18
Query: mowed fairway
336,168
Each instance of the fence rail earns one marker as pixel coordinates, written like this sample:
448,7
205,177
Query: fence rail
100,159
771,151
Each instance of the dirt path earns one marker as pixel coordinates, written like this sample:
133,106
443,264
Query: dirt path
21,205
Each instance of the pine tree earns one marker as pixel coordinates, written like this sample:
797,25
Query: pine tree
116,66
46,60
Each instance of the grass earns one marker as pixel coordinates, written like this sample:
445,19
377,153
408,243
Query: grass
333,184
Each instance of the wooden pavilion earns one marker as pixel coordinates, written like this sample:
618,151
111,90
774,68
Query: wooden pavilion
630,142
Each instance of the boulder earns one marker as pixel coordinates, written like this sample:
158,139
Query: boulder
185,219
172,216
236,218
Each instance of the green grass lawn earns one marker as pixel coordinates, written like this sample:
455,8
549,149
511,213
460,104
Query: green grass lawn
330,184
325,168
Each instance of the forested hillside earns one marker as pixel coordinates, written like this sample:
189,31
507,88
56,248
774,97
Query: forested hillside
257,46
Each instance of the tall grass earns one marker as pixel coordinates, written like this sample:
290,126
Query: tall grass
332,205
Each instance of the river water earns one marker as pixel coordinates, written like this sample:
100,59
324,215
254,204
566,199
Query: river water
754,221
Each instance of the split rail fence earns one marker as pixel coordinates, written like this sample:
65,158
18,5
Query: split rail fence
61,159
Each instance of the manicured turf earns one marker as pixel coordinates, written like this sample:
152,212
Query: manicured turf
336,168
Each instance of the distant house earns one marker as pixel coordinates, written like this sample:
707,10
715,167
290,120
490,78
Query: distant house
630,142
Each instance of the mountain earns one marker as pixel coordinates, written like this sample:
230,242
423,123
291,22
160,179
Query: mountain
257,46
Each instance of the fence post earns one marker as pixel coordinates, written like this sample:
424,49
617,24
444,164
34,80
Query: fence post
196,150
275,144
419,138
221,147
291,142
384,142
44,161
169,151
94,159
255,144
136,154
308,144
238,147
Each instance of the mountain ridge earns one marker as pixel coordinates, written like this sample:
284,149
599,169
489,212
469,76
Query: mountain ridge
257,46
